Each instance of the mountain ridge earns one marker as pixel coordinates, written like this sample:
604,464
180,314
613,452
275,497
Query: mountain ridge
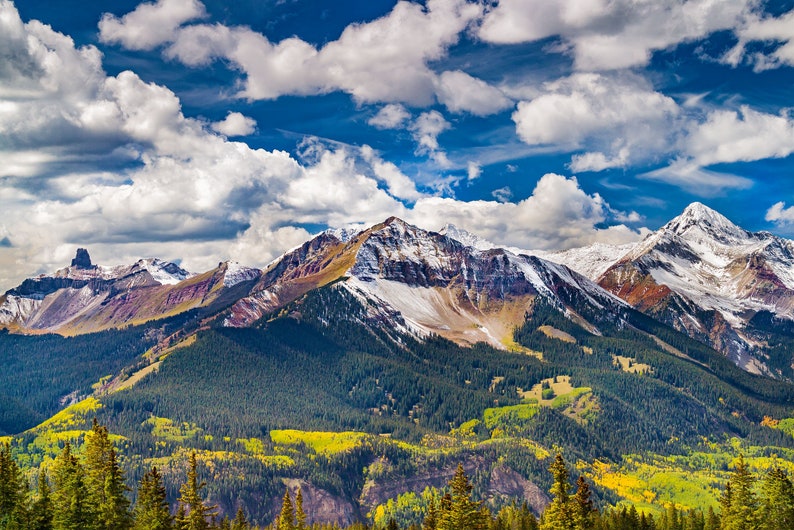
699,273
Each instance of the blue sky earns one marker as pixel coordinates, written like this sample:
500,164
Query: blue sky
203,131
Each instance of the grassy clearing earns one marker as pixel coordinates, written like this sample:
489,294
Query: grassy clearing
503,417
631,366
320,442
554,333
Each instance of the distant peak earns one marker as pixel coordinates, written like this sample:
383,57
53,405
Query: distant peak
394,221
700,210
82,260
700,215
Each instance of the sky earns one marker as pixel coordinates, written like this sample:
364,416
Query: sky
199,132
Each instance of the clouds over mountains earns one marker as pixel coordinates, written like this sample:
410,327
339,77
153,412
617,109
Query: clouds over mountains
113,160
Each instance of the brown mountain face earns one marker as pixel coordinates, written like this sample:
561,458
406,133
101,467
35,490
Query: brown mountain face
86,298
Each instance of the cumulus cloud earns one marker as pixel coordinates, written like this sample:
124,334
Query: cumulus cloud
558,215
399,185
779,214
161,183
503,194
725,136
385,60
740,136
392,116
587,110
595,161
235,124
460,92
605,35
150,24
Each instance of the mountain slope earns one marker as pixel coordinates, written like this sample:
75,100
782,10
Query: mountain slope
85,298
705,276
427,283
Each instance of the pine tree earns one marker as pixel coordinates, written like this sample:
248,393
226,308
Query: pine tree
712,520
559,515
72,509
431,517
776,509
462,513
739,499
195,512
240,521
151,509
105,481
40,517
286,519
300,515
583,505
13,491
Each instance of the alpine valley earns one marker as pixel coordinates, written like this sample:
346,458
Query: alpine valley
363,367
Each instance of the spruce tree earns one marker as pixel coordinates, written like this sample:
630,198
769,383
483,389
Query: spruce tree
13,491
40,517
463,513
300,515
152,510
195,512
431,517
72,508
240,521
741,499
286,519
776,509
712,521
559,515
583,506
104,480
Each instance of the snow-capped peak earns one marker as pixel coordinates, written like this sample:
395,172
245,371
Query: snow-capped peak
164,272
700,218
466,238
236,273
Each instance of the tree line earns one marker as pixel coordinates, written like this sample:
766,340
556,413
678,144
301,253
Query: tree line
89,493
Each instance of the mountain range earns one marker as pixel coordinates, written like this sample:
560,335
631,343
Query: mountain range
363,365
700,274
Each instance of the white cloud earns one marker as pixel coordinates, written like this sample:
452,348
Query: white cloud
384,60
150,24
460,92
620,117
558,215
184,191
235,124
779,214
392,116
399,185
740,136
425,130
604,35
768,30
692,177
594,161
473,170
502,194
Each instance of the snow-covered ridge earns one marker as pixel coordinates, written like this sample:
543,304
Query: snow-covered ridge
236,273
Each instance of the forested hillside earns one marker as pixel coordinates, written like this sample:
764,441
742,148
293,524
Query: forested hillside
369,422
